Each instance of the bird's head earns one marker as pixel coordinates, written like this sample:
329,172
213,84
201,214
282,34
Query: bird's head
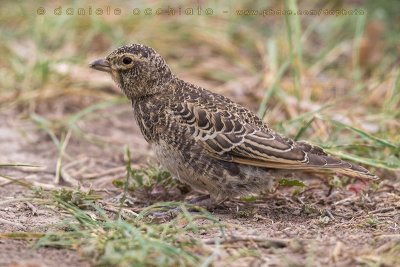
137,69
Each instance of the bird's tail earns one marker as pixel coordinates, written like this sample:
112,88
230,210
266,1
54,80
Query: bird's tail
357,172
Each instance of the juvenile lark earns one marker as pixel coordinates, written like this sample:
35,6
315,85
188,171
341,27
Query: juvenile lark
204,139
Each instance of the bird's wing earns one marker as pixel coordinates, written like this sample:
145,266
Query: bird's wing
232,137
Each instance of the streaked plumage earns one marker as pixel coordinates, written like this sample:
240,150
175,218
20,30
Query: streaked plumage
205,139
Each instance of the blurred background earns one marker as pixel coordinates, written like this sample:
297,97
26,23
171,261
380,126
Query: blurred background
330,78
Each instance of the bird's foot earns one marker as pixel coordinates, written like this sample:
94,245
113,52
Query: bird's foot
194,205
204,201
164,216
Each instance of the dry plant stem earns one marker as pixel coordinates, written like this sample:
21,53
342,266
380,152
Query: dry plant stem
66,177
349,199
108,172
9,181
32,208
59,164
256,239
108,207
383,210
76,162
44,186
204,201
330,214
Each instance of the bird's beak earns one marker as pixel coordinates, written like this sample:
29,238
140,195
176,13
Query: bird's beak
100,64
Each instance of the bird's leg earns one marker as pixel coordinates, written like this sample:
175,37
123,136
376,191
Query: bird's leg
207,201
204,201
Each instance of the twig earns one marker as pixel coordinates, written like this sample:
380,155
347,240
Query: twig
76,162
110,208
10,181
17,179
270,242
345,200
23,181
330,214
43,185
68,178
35,170
383,210
306,190
84,163
301,201
32,208
106,172
348,217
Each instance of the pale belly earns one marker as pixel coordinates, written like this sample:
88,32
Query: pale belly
179,168
221,179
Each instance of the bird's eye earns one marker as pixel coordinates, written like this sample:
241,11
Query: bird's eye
127,60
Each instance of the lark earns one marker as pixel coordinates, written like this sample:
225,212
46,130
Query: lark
204,139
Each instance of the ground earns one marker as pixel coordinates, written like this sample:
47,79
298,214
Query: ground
316,227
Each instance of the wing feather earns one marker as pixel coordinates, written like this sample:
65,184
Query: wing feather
234,137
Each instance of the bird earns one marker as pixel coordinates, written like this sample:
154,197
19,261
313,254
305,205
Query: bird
205,139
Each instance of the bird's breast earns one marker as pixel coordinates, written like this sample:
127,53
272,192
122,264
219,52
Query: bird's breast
148,117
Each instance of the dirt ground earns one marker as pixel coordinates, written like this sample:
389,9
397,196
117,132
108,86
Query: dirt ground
344,227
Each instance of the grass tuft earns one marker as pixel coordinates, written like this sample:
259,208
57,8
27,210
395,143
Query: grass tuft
125,240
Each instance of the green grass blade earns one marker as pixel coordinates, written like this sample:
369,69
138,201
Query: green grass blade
378,140
303,129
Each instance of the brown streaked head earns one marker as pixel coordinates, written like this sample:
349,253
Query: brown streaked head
137,69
